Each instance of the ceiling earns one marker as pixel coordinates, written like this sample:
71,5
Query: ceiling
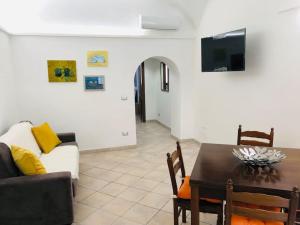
96,17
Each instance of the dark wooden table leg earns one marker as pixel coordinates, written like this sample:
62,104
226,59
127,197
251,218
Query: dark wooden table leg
195,205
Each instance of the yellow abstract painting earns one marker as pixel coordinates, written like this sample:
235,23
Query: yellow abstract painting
97,58
62,71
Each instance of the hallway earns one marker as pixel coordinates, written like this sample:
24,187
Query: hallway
131,186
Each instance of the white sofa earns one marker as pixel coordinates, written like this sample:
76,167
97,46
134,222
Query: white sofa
64,158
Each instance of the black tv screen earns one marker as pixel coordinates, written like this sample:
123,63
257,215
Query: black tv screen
224,52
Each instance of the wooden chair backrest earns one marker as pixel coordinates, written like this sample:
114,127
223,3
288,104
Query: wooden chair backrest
257,135
260,200
175,163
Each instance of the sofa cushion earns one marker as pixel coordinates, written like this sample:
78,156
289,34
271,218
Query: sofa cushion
7,164
27,161
20,134
45,137
62,158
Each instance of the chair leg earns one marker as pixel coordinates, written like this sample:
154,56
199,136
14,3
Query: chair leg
176,212
183,215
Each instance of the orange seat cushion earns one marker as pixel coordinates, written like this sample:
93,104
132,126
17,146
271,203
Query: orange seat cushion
184,192
241,220
255,222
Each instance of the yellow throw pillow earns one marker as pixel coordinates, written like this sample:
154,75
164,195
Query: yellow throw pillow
45,137
27,161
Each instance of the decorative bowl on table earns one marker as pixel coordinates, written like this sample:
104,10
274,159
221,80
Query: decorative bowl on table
257,156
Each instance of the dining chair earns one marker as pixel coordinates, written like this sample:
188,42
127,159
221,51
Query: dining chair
265,140
259,209
182,195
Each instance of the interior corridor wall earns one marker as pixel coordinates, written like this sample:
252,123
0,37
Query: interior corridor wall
158,103
97,117
266,94
151,80
8,108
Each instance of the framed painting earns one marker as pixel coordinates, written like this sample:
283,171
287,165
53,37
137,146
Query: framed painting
94,83
62,71
97,58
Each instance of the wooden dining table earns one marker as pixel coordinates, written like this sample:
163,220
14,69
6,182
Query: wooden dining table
215,164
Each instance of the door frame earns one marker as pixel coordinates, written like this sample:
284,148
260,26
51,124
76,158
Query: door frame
143,94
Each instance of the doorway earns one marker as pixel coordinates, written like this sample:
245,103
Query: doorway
157,97
154,92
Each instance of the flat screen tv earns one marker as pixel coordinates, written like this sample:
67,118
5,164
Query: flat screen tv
224,52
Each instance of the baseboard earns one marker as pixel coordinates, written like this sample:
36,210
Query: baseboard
126,147
189,140
176,138
160,123
185,139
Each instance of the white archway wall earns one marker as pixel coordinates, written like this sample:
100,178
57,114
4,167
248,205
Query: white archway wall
98,118
160,105
151,67
176,81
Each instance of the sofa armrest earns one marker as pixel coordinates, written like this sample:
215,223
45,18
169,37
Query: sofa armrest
35,200
67,137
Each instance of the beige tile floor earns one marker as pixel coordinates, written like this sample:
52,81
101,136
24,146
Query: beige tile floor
132,186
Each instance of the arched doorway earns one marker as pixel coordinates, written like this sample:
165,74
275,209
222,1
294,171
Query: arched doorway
157,94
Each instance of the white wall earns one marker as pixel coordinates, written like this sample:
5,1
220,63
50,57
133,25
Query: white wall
151,67
8,108
98,118
265,95
158,103
164,100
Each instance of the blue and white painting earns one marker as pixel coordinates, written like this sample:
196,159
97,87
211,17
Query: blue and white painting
94,82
